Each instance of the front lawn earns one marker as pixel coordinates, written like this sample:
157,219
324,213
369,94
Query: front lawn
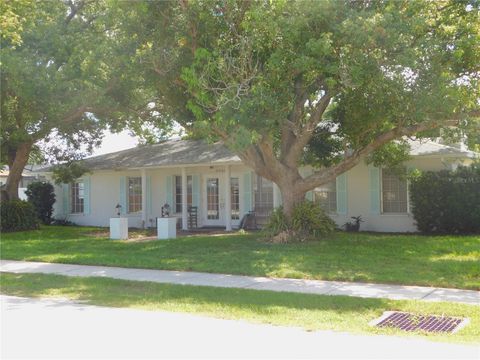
445,261
311,312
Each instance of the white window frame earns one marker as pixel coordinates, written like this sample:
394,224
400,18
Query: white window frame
235,206
382,212
329,211
74,204
128,195
189,192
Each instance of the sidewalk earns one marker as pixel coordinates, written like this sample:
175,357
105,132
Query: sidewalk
319,287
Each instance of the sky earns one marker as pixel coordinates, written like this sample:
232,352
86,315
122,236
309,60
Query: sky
116,142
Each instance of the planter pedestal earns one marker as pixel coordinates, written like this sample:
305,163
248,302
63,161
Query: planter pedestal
166,228
118,228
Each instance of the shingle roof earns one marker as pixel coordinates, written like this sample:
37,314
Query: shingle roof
168,153
196,152
428,147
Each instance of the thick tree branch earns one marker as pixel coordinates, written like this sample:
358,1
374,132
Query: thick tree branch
305,133
355,157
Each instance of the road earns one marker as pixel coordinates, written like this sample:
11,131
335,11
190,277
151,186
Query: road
56,328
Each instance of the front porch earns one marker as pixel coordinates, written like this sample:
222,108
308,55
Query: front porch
215,196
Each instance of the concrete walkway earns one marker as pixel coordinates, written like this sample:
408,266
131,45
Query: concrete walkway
319,287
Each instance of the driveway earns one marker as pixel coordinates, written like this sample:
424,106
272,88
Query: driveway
46,328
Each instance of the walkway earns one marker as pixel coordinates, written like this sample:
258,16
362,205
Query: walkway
319,287
63,329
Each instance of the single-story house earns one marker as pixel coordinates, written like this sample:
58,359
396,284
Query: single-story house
222,189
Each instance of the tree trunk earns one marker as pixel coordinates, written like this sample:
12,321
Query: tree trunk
16,161
291,194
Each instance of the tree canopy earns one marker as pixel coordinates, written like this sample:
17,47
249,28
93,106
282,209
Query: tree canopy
59,83
326,83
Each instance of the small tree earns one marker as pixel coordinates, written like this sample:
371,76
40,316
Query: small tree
42,196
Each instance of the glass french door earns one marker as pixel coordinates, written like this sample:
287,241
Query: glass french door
214,207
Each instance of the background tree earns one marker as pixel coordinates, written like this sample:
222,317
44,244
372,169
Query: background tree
327,83
59,88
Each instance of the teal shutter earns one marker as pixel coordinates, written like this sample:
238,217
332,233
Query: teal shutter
66,199
123,194
196,191
149,195
86,195
169,192
341,190
247,192
374,173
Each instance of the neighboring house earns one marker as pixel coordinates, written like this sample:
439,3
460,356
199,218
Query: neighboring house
29,175
223,189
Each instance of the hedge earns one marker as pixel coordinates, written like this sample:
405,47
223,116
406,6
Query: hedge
17,215
447,201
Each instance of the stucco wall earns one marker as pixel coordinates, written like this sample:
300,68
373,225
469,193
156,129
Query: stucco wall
358,198
105,194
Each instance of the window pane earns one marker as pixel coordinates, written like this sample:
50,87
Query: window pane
76,197
326,196
235,198
394,192
263,196
134,194
212,199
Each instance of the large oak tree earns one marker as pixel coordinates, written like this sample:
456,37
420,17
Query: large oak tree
327,83
59,85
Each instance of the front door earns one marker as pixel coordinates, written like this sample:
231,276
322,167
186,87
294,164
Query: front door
214,202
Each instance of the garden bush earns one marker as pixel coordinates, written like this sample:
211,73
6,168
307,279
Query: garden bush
308,220
41,195
17,215
447,201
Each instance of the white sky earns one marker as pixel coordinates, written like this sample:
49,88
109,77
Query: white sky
116,142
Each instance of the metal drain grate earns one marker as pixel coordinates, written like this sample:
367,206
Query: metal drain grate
412,322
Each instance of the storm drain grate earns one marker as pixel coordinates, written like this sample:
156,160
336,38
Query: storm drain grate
412,322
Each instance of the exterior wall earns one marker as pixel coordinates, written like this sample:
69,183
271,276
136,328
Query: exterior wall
359,200
104,195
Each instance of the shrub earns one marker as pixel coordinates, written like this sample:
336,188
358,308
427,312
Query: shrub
308,220
62,222
41,195
447,201
17,215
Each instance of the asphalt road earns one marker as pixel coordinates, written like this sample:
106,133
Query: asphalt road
42,328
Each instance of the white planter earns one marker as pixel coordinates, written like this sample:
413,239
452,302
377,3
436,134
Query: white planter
119,228
167,228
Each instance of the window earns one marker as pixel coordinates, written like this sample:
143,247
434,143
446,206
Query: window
326,196
134,194
394,192
263,196
212,199
77,194
177,193
235,196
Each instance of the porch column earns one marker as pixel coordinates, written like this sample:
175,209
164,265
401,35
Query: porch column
184,200
228,200
144,198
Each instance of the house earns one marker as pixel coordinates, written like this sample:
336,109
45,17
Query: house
141,180
29,175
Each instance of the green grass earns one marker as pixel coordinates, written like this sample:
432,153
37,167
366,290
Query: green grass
311,312
446,261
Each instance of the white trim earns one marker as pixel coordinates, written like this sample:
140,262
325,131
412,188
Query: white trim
382,213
